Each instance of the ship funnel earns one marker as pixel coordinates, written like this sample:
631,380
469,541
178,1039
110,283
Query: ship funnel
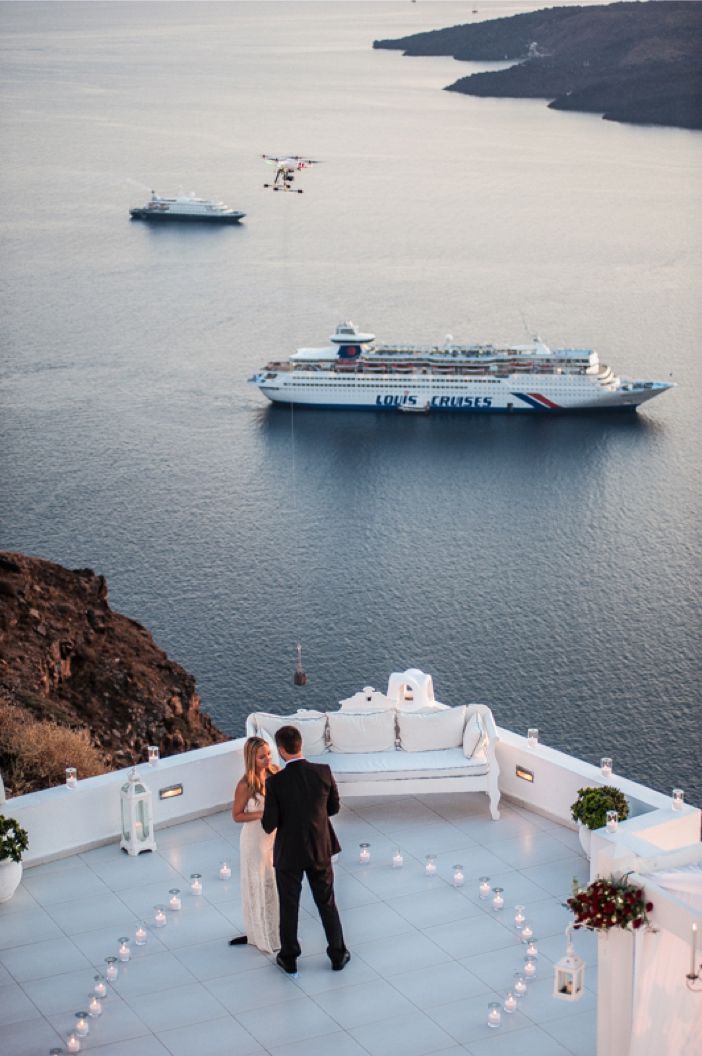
350,340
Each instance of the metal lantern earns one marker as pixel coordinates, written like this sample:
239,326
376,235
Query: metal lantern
569,973
137,816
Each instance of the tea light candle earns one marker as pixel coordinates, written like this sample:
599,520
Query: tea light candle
430,866
678,799
160,919
141,935
124,953
612,820
606,766
174,902
112,970
196,883
510,1004
153,754
527,933
82,1027
484,886
398,859
519,918
100,989
532,949
520,987
458,876
498,899
225,871
72,1043
494,1015
94,1007
364,853
71,777
529,968
532,737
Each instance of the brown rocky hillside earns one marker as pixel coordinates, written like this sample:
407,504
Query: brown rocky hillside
69,663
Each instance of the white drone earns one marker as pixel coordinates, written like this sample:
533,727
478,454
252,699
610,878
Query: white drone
285,169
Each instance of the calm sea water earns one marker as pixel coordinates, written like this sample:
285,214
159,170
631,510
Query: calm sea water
547,566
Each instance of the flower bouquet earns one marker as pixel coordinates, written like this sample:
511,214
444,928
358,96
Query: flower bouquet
611,903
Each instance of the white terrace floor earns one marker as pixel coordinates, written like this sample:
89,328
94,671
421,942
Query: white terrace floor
426,957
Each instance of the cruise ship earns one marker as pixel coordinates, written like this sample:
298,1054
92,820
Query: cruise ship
355,372
186,207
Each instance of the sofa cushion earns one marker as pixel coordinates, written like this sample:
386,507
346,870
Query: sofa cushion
363,732
392,765
472,736
431,730
312,725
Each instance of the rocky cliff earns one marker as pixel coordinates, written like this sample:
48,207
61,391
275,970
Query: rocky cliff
69,661
634,62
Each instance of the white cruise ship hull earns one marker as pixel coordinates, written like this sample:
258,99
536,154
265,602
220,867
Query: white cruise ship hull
515,393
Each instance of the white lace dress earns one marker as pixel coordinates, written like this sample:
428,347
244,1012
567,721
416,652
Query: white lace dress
259,894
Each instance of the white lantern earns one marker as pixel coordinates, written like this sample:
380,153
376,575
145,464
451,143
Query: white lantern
569,973
137,816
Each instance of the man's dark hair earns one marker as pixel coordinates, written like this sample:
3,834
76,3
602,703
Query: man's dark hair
289,739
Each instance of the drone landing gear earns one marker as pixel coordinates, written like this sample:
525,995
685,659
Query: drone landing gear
295,190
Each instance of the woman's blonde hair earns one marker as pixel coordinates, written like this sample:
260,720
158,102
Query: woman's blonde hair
254,785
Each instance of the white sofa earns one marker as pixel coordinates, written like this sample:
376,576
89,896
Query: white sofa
403,741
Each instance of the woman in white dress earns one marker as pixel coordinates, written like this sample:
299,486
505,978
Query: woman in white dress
259,895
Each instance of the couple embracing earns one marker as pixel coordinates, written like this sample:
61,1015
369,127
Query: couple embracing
286,835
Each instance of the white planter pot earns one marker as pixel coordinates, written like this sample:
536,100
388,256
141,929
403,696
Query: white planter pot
585,837
10,876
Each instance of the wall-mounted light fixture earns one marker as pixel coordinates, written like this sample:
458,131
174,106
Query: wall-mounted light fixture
170,792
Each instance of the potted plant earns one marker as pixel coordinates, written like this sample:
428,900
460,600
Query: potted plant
590,810
13,841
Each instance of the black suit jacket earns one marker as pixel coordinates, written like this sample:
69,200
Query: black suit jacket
299,802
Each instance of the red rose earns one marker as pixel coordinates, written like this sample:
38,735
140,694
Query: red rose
649,907
636,924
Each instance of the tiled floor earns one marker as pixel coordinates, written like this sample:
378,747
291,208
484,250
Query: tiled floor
426,957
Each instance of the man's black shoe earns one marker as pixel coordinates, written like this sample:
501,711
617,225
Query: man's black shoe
240,940
337,966
290,967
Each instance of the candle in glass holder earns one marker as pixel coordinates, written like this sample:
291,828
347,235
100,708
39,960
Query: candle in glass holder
160,919
152,754
82,1027
174,900
71,777
141,935
484,886
519,917
72,1043
678,799
527,933
398,859
364,853
123,952
430,865
532,737
532,949
94,1007
498,900
459,878
494,1015
112,970
225,870
519,987
510,1004
196,883
530,968
100,989
606,766
612,820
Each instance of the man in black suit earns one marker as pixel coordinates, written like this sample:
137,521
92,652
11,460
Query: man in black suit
300,799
